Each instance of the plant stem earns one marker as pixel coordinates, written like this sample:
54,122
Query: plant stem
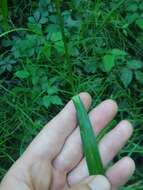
58,9
4,12
68,66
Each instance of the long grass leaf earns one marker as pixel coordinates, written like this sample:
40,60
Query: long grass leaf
89,143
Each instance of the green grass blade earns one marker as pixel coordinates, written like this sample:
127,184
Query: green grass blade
14,30
89,143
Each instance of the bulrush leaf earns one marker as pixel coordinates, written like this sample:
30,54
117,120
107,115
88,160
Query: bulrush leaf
89,143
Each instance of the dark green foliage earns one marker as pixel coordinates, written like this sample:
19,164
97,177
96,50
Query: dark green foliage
49,53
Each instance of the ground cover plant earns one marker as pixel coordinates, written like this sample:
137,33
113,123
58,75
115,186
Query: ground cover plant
52,50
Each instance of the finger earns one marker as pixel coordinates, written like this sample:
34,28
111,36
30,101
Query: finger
120,173
72,150
93,183
56,131
108,147
41,175
113,141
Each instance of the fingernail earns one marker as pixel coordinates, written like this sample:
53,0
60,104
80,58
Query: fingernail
99,183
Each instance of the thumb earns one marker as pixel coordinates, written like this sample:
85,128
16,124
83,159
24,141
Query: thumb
93,183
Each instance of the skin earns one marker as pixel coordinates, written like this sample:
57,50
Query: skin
54,160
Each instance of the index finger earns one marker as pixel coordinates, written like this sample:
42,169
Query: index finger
50,140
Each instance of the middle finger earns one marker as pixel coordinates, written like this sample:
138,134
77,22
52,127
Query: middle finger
71,153
109,146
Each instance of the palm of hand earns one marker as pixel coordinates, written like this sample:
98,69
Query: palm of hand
54,160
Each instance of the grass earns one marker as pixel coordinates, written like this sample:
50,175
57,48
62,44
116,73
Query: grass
92,30
89,142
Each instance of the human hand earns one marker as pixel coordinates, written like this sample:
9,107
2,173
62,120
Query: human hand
54,160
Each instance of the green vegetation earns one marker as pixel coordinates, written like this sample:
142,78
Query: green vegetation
53,50
4,13
89,142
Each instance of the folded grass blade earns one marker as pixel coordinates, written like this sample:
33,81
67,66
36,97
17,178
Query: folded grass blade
89,143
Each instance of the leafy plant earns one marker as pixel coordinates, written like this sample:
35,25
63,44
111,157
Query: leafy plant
22,74
126,76
127,73
51,99
28,46
6,64
139,76
139,23
109,60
